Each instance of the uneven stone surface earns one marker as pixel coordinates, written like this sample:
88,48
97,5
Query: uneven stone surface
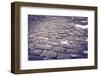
58,49
46,47
36,51
50,54
57,37
64,56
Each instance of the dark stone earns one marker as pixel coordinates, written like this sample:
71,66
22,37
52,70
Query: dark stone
35,57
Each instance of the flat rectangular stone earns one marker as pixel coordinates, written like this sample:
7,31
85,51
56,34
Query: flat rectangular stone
65,46
63,56
36,51
72,51
34,57
78,56
58,49
50,54
38,46
53,43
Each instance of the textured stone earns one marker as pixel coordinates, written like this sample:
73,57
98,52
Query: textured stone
35,57
42,42
50,54
63,56
58,49
85,51
38,46
80,47
78,56
53,43
53,37
47,58
30,45
71,51
65,46
36,51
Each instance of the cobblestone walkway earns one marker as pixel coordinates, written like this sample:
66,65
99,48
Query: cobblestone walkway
55,37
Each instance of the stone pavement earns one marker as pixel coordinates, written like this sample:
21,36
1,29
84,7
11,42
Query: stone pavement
55,37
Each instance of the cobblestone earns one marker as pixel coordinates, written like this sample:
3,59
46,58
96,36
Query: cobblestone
50,54
55,37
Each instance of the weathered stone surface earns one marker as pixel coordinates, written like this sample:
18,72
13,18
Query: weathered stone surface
36,51
50,54
78,56
85,52
35,57
55,37
47,58
63,56
72,51
58,49
80,47
38,46
65,46
30,45
54,43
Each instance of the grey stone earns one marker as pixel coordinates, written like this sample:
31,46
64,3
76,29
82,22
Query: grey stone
77,56
58,49
38,46
42,42
36,51
71,51
63,56
50,54
30,45
85,51
61,31
47,58
65,46
59,37
79,47
52,39
30,40
53,43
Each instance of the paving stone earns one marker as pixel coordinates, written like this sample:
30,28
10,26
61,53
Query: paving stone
38,46
74,56
63,56
35,57
80,47
65,46
71,51
50,54
42,42
53,43
36,51
47,58
61,31
58,49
